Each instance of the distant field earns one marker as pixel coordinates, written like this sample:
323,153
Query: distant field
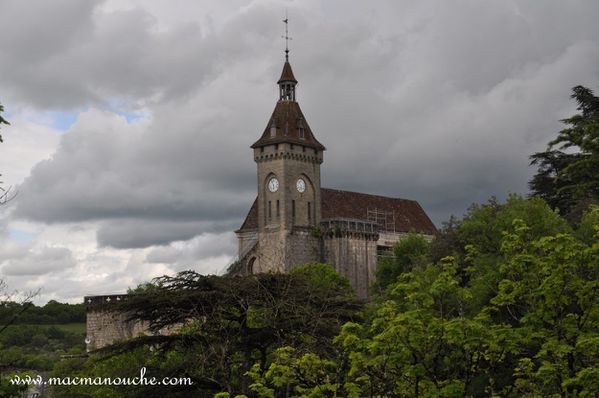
67,327
71,327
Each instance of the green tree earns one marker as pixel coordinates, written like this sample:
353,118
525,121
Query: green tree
567,176
408,253
475,240
550,290
222,326
9,390
535,336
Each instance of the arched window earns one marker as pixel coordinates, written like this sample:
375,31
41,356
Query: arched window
250,266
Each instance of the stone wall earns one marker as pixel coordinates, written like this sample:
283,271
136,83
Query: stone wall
287,163
271,250
354,255
105,327
302,247
246,241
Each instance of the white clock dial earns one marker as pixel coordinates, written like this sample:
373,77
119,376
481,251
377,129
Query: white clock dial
273,185
300,185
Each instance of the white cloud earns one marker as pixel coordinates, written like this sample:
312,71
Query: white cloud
40,262
25,144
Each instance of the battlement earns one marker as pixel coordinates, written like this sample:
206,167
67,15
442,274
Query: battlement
96,301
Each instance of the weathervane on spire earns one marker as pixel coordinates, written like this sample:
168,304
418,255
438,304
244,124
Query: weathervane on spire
286,37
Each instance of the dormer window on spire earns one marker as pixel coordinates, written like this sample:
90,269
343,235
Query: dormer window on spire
287,123
301,132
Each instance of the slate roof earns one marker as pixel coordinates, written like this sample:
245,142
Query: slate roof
407,214
287,74
251,220
288,120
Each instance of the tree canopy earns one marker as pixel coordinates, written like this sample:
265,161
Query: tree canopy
432,335
504,302
222,326
567,172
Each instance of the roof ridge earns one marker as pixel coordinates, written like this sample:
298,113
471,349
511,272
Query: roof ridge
370,194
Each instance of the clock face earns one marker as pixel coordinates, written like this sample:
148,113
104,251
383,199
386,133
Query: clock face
300,185
273,185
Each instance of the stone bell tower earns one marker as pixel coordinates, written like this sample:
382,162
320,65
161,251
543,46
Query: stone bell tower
288,157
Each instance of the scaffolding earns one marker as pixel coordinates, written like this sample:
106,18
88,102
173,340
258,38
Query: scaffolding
385,220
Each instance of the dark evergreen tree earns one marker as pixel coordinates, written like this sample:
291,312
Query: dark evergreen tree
568,171
219,327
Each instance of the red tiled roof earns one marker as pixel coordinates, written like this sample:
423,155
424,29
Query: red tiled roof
407,215
287,74
403,215
288,120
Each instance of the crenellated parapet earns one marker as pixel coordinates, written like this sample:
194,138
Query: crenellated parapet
106,325
288,151
94,302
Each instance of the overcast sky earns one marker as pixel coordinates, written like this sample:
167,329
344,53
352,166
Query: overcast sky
132,120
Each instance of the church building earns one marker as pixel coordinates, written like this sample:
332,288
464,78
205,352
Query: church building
296,221
293,220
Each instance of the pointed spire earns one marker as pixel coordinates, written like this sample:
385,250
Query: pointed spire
287,74
287,81
287,124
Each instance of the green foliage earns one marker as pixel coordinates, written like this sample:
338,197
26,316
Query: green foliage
567,175
8,390
34,338
475,241
408,253
323,276
51,313
535,336
146,287
38,347
586,231
224,325
550,291
306,375
505,302
171,364
483,225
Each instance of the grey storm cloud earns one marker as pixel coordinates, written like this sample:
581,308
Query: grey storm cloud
46,260
67,54
200,248
139,233
108,169
436,101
